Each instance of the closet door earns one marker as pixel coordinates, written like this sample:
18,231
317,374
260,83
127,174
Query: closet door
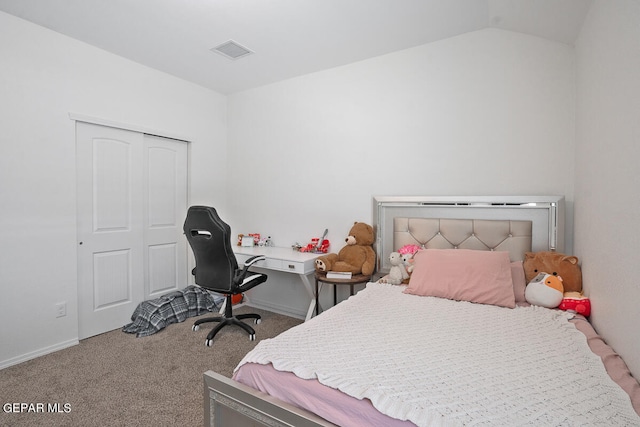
165,187
131,196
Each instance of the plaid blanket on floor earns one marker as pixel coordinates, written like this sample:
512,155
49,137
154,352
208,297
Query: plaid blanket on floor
151,316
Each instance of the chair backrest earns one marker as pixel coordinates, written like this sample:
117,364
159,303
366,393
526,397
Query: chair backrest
210,240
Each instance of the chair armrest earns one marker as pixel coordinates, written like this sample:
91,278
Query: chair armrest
249,262
240,274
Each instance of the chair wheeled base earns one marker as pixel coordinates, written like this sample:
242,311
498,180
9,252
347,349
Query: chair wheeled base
228,319
217,269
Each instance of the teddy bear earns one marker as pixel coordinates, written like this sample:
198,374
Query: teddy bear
545,290
556,264
397,273
357,257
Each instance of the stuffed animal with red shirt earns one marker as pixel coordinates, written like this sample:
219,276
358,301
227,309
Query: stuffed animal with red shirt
568,269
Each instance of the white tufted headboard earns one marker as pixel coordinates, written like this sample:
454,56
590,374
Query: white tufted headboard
479,234
516,224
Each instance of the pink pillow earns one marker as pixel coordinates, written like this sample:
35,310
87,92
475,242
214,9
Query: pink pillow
463,275
519,280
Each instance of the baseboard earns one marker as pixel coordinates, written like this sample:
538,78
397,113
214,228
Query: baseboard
41,352
276,308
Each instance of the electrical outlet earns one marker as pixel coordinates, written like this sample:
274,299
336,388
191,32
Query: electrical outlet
61,309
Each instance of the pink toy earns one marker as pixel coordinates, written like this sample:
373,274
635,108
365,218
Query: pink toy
409,249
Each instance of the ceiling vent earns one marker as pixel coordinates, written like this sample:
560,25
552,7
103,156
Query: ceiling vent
232,50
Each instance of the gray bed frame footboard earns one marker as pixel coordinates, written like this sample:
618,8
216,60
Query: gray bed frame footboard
227,403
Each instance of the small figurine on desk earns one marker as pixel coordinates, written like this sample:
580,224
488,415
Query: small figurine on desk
265,241
317,245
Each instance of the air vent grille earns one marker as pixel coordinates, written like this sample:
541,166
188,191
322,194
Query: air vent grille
232,50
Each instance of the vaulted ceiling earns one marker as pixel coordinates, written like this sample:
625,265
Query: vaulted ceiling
288,38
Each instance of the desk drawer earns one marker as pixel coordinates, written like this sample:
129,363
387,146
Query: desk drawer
269,263
282,265
293,266
275,264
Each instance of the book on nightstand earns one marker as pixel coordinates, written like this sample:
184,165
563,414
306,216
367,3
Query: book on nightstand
338,275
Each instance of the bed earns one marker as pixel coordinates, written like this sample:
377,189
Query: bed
450,348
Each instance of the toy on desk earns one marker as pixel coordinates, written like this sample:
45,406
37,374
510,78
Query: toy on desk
265,241
320,243
316,246
356,257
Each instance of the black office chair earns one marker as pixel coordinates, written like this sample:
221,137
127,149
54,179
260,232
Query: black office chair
216,267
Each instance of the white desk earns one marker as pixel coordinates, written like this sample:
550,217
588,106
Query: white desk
283,259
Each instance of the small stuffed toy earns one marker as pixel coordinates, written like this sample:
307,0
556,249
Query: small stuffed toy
407,252
575,301
356,257
409,249
397,273
545,290
566,267
407,261
556,264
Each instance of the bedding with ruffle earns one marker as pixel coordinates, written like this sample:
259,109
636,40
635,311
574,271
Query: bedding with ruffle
438,362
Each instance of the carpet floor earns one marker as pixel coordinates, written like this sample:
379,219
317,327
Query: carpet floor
116,379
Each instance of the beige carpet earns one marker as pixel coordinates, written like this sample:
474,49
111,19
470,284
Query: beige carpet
116,379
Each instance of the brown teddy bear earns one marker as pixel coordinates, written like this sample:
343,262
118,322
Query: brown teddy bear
356,257
557,264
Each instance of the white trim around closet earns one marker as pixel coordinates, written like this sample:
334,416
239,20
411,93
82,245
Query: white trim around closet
126,126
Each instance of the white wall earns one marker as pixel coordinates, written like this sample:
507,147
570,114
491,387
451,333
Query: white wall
607,194
44,76
486,113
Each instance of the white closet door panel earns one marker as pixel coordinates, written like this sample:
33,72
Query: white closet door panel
162,186
112,182
112,279
110,252
163,268
166,189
